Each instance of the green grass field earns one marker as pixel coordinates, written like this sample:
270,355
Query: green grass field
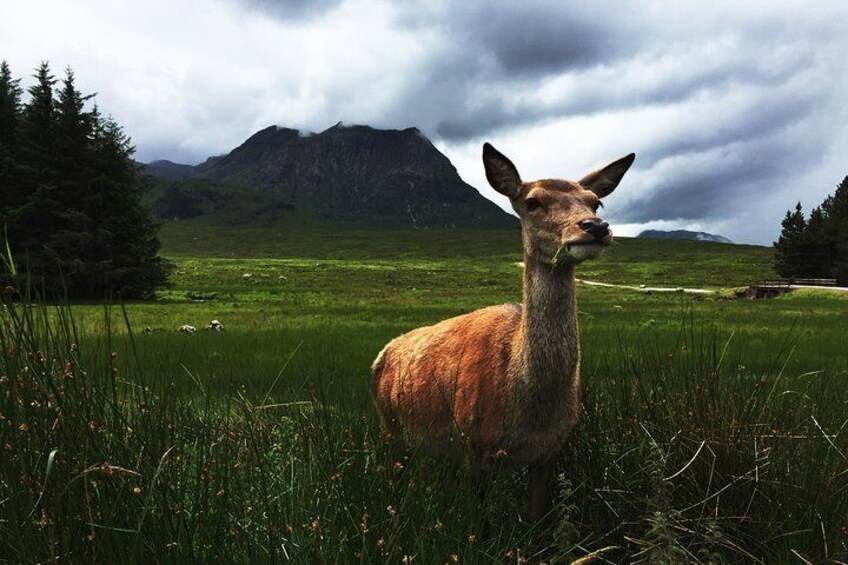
713,429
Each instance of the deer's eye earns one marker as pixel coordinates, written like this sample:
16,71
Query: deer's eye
597,205
532,204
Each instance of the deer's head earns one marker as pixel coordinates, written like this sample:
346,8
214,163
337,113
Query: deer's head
559,218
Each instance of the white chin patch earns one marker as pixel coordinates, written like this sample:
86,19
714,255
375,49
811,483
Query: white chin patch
582,251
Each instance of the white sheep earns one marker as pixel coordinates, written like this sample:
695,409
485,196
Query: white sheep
187,329
216,326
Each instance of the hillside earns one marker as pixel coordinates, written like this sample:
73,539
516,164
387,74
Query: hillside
168,169
683,234
345,176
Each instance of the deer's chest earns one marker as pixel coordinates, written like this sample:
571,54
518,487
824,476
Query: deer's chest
545,415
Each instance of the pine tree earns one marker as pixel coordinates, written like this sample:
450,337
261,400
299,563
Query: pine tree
73,131
37,216
11,193
818,247
72,249
80,228
788,248
126,229
815,251
10,104
38,124
837,211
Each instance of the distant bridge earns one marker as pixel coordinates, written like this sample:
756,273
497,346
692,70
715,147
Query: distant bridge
769,288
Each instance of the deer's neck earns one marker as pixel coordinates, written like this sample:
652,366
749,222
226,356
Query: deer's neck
549,342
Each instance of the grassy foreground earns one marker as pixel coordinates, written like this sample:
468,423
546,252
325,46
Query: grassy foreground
713,430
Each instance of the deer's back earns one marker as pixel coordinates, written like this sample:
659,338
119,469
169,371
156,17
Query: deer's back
456,375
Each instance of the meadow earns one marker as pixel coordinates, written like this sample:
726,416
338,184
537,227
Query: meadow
713,428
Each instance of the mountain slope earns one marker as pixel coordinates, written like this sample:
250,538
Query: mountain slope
346,176
684,234
168,169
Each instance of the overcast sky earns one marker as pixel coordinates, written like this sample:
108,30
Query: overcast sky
735,110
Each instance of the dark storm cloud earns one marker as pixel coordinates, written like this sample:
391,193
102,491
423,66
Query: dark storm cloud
496,113
703,193
465,114
733,172
291,9
527,42
496,52
753,123
523,38
498,49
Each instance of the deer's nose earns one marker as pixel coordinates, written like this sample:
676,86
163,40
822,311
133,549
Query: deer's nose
599,230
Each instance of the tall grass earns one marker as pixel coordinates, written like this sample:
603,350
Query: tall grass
688,451
697,452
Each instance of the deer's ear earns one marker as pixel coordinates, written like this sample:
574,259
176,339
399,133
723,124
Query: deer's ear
500,172
603,181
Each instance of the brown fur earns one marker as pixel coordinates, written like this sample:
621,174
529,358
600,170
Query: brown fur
505,379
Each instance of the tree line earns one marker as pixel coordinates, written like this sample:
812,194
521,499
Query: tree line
816,247
70,209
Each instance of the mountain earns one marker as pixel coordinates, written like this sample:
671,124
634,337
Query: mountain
684,234
345,176
168,169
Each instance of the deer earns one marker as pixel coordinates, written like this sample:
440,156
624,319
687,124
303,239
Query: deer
506,379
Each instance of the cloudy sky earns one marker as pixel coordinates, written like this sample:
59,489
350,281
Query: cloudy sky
736,110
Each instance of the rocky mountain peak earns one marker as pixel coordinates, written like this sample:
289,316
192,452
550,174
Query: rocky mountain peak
353,175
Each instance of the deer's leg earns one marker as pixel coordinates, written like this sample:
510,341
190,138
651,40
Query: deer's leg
540,478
